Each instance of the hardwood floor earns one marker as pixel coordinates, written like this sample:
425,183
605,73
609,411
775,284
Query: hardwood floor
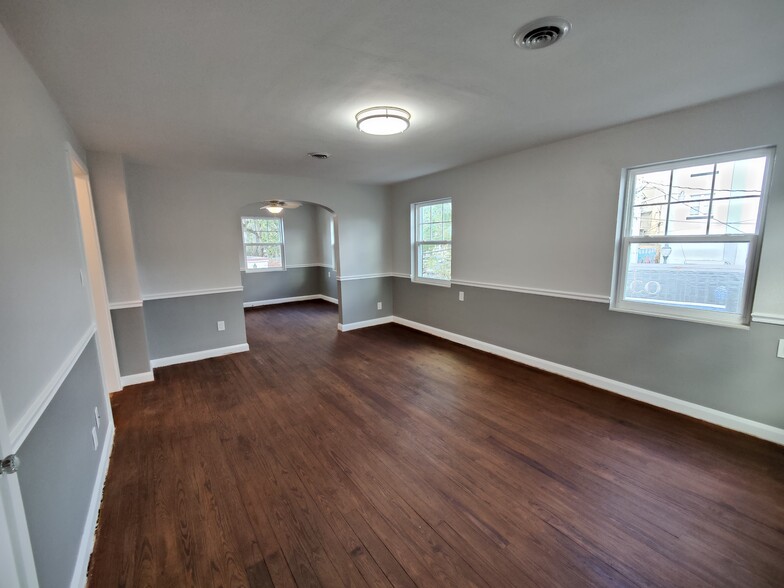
388,457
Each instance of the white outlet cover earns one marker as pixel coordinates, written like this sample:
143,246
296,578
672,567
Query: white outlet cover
221,325
461,296
781,349
379,306
95,439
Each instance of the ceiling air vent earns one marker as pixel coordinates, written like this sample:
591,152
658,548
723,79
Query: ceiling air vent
318,155
542,32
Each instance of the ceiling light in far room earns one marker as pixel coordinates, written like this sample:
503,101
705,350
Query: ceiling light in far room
383,120
276,206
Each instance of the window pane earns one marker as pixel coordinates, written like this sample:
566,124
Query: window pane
436,213
688,219
435,261
703,276
736,179
448,211
652,188
426,233
734,217
424,214
447,231
436,232
692,183
648,220
263,256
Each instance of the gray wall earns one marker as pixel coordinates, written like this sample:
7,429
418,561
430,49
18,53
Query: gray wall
45,307
545,218
60,468
359,298
731,370
188,324
300,281
328,282
130,338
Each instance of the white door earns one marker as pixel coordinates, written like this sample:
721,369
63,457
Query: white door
16,553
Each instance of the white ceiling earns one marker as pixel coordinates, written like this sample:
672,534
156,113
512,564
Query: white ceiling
253,85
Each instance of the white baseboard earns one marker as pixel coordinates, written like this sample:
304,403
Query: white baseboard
362,324
703,413
289,299
198,355
79,578
137,379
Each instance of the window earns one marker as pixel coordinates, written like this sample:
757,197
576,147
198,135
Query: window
689,237
262,240
432,241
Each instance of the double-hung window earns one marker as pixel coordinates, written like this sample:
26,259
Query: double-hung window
263,244
432,241
689,237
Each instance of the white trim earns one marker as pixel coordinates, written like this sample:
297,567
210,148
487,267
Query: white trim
717,417
19,432
536,291
137,379
295,266
362,277
363,324
186,293
770,318
79,578
289,299
126,304
198,355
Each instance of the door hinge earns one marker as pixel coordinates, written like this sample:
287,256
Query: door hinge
10,465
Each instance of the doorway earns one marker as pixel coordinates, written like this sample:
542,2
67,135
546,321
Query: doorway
107,352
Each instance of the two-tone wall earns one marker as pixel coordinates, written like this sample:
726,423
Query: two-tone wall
50,379
533,243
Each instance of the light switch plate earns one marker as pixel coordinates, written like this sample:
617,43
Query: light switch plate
97,419
781,348
461,296
221,325
379,306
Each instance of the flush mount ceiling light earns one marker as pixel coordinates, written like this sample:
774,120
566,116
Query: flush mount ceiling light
383,120
542,32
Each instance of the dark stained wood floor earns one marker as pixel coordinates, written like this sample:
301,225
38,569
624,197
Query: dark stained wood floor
388,457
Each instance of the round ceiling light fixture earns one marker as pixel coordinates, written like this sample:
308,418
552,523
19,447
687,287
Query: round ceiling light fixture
383,120
542,32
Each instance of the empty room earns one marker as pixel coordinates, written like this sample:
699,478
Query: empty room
394,293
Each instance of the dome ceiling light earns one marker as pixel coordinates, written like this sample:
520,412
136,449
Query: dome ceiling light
383,120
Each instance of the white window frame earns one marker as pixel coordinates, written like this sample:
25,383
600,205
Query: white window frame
415,243
282,247
624,241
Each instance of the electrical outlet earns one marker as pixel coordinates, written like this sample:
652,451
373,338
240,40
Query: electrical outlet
95,439
97,418
329,274
781,349
461,296
221,325
379,306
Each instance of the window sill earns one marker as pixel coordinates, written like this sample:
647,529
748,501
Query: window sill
441,283
735,324
261,271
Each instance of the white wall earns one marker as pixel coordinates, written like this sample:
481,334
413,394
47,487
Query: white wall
45,307
107,178
187,236
546,217
325,248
